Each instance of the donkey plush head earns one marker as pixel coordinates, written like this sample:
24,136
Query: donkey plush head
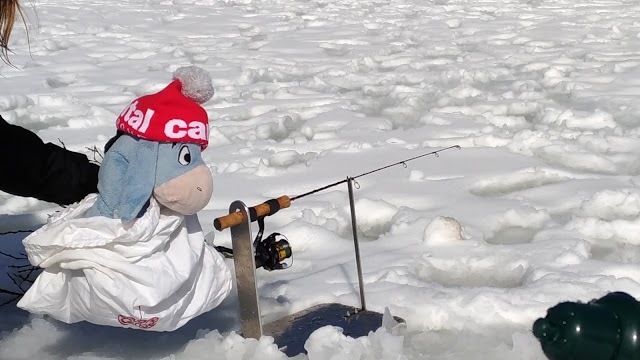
157,151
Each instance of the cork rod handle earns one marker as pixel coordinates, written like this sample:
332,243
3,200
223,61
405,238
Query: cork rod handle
267,208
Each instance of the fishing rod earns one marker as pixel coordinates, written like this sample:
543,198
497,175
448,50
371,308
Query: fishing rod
272,206
272,252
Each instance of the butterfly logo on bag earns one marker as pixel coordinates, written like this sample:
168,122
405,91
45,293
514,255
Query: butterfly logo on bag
141,323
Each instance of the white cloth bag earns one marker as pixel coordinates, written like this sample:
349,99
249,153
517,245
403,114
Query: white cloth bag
155,274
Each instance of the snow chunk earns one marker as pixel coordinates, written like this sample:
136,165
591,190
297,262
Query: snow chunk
374,216
215,346
454,23
21,343
610,205
217,138
329,343
443,230
416,175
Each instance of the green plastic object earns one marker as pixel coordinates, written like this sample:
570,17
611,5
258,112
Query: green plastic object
602,329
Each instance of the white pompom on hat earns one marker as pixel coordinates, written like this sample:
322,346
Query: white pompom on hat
196,83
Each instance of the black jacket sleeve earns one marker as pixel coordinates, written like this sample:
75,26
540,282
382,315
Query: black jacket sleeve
31,168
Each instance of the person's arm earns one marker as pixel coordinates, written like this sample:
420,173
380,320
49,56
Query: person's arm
31,168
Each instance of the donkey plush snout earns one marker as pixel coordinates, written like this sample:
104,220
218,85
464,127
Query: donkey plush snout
188,193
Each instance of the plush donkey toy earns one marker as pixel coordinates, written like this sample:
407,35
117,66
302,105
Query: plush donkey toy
157,151
134,255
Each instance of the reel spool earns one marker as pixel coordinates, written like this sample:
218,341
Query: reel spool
271,252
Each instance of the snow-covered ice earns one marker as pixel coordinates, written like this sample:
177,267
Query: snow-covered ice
539,206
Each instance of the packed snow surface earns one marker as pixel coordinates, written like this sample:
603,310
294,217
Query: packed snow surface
540,204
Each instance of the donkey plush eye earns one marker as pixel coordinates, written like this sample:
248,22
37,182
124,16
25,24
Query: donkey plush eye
184,158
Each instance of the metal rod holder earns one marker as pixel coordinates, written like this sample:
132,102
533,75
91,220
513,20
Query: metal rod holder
356,244
245,266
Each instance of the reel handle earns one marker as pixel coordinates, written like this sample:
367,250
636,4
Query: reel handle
267,208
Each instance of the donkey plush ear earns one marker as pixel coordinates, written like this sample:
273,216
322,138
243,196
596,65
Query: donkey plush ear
126,178
138,182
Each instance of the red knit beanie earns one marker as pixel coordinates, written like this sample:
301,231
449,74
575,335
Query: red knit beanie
174,113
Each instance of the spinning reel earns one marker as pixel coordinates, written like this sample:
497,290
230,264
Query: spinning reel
270,253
